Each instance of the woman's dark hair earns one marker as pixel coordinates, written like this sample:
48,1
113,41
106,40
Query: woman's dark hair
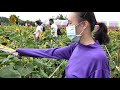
51,20
101,33
38,22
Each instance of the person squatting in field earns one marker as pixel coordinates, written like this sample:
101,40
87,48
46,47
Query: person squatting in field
85,56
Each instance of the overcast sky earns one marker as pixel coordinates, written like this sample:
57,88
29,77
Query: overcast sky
100,16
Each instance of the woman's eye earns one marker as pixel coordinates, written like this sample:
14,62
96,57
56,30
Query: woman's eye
70,24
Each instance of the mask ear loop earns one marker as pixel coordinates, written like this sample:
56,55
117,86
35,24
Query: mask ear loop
80,23
80,33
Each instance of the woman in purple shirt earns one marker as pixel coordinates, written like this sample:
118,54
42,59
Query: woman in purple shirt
86,58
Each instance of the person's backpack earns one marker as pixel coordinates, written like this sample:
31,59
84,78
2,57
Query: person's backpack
43,28
59,32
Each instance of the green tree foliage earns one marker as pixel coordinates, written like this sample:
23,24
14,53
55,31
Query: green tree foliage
6,20
61,17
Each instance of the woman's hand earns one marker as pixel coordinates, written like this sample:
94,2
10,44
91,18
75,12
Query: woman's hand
16,54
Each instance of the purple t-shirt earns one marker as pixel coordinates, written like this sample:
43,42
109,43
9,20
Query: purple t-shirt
84,61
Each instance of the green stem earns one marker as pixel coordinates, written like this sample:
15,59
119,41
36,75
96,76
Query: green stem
109,53
118,54
20,34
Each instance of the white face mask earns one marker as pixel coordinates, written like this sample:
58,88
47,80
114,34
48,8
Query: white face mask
35,24
71,33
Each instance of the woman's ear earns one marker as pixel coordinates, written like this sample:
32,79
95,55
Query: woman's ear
85,24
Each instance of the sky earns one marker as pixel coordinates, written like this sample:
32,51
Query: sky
33,16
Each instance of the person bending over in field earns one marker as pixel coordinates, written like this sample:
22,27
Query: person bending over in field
85,56
39,30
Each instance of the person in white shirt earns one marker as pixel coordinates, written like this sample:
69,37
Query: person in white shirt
39,29
53,28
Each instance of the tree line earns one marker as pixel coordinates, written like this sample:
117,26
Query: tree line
13,19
